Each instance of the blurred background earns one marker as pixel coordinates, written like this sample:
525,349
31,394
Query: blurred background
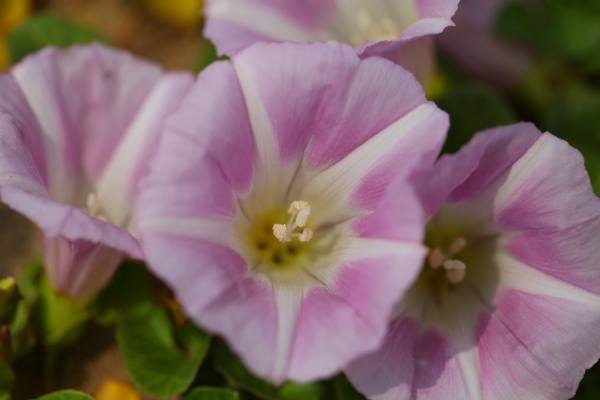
504,62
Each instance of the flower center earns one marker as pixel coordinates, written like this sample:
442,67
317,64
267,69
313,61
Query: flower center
372,28
454,269
446,264
299,212
283,246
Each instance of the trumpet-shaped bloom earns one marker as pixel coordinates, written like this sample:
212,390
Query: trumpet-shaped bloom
77,128
385,28
266,210
507,305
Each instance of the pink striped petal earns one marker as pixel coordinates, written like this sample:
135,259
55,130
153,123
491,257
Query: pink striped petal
509,370
84,99
547,188
562,335
79,268
388,373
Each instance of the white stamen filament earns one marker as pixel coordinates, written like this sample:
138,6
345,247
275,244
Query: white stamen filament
300,211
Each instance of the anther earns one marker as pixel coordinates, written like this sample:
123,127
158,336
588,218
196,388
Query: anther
300,211
436,258
458,244
280,232
306,235
456,275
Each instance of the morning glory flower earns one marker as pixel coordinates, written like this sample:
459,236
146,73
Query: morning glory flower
507,305
387,28
266,208
77,127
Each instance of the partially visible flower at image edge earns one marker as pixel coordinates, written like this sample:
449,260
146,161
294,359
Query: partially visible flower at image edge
507,305
277,207
399,30
77,127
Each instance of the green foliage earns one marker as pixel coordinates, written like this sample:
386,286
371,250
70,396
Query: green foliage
567,29
344,389
60,320
161,359
46,30
210,394
207,55
66,395
9,299
589,388
238,376
129,291
22,325
473,108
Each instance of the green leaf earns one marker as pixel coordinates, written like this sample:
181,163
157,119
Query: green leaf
60,319
160,360
207,55
9,299
345,390
121,296
22,334
47,30
210,394
589,388
473,108
567,29
238,376
66,395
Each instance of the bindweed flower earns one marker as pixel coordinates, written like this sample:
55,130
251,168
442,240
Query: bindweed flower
264,208
473,45
387,28
507,305
77,128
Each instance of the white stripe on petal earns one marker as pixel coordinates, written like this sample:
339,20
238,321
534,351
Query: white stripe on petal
116,185
514,274
262,20
357,248
217,231
288,302
462,335
341,179
271,176
471,369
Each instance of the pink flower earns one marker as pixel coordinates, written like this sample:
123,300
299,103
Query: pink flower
265,212
508,303
385,28
77,128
